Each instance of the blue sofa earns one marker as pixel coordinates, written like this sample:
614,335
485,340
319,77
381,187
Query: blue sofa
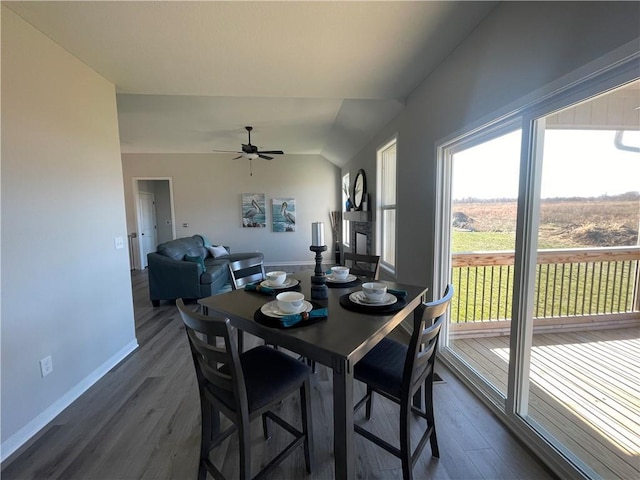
186,268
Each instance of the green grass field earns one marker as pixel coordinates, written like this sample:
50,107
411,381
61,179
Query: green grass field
484,293
493,241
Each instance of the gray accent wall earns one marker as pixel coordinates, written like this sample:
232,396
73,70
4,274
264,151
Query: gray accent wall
522,50
66,289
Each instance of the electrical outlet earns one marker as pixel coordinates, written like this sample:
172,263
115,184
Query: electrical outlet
185,225
46,366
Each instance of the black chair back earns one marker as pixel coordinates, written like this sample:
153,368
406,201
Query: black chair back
243,387
245,271
363,265
421,355
212,345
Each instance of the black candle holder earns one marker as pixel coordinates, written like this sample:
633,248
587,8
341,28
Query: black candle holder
318,288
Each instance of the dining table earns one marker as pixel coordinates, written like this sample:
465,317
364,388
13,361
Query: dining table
348,332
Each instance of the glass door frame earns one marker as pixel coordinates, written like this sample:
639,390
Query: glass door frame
530,117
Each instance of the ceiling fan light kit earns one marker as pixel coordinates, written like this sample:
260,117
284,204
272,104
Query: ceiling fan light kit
251,152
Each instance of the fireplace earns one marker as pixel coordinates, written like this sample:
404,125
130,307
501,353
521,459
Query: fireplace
361,243
362,237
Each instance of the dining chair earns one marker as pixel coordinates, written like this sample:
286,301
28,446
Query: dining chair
248,270
398,372
362,265
243,387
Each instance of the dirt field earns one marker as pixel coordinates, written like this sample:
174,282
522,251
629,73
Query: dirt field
563,223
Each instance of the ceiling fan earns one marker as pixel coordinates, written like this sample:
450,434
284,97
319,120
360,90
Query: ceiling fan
251,152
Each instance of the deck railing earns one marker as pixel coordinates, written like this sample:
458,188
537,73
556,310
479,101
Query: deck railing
569,283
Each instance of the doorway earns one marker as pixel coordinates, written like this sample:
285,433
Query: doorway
154,213
147,231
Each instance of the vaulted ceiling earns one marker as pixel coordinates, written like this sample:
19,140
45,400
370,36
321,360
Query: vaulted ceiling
311,77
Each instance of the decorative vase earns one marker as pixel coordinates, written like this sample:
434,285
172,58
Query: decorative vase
336,251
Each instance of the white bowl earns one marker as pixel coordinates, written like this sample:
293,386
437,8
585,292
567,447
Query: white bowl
340,273
277,277
290,302
374,291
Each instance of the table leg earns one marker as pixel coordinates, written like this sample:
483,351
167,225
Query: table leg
343,447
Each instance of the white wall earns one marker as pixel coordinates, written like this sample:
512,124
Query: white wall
66,290
207,193
521,47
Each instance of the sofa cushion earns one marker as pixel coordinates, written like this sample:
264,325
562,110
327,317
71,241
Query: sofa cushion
211,262
175,249
217,251
196,259
180,247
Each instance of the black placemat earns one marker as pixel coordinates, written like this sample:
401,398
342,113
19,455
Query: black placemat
274,322
353,283
276,291
347,303
293,288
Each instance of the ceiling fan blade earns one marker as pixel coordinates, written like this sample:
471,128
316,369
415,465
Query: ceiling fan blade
240,156
265,157
272,152
226,151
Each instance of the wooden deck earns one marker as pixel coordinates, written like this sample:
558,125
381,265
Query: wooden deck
584,390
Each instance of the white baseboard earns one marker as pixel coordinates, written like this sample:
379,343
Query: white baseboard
27,432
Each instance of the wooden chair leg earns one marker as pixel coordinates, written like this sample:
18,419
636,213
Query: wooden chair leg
202,471
206,432
369,405
428,404
244,437
405,441
307,426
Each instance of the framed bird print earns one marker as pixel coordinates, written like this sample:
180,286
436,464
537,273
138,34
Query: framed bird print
283,214
253,210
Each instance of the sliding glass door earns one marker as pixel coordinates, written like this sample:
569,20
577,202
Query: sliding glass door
483,217
584,360
540,223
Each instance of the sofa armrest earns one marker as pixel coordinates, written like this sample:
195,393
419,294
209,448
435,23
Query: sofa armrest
170,279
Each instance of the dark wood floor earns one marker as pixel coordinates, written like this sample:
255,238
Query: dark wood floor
142,421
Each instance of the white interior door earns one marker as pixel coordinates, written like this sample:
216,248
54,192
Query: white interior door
147,240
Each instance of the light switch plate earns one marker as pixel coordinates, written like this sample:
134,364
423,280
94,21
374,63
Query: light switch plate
119,242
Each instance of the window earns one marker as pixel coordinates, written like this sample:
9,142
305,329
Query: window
387,206
345,196
539,235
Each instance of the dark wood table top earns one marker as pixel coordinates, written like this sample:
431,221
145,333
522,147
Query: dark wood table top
343,335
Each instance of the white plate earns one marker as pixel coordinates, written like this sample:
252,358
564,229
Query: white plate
289,282
360,299
271,309
332,279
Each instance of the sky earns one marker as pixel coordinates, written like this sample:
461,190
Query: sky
577,163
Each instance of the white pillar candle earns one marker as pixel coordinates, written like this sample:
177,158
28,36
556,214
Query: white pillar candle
317,234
